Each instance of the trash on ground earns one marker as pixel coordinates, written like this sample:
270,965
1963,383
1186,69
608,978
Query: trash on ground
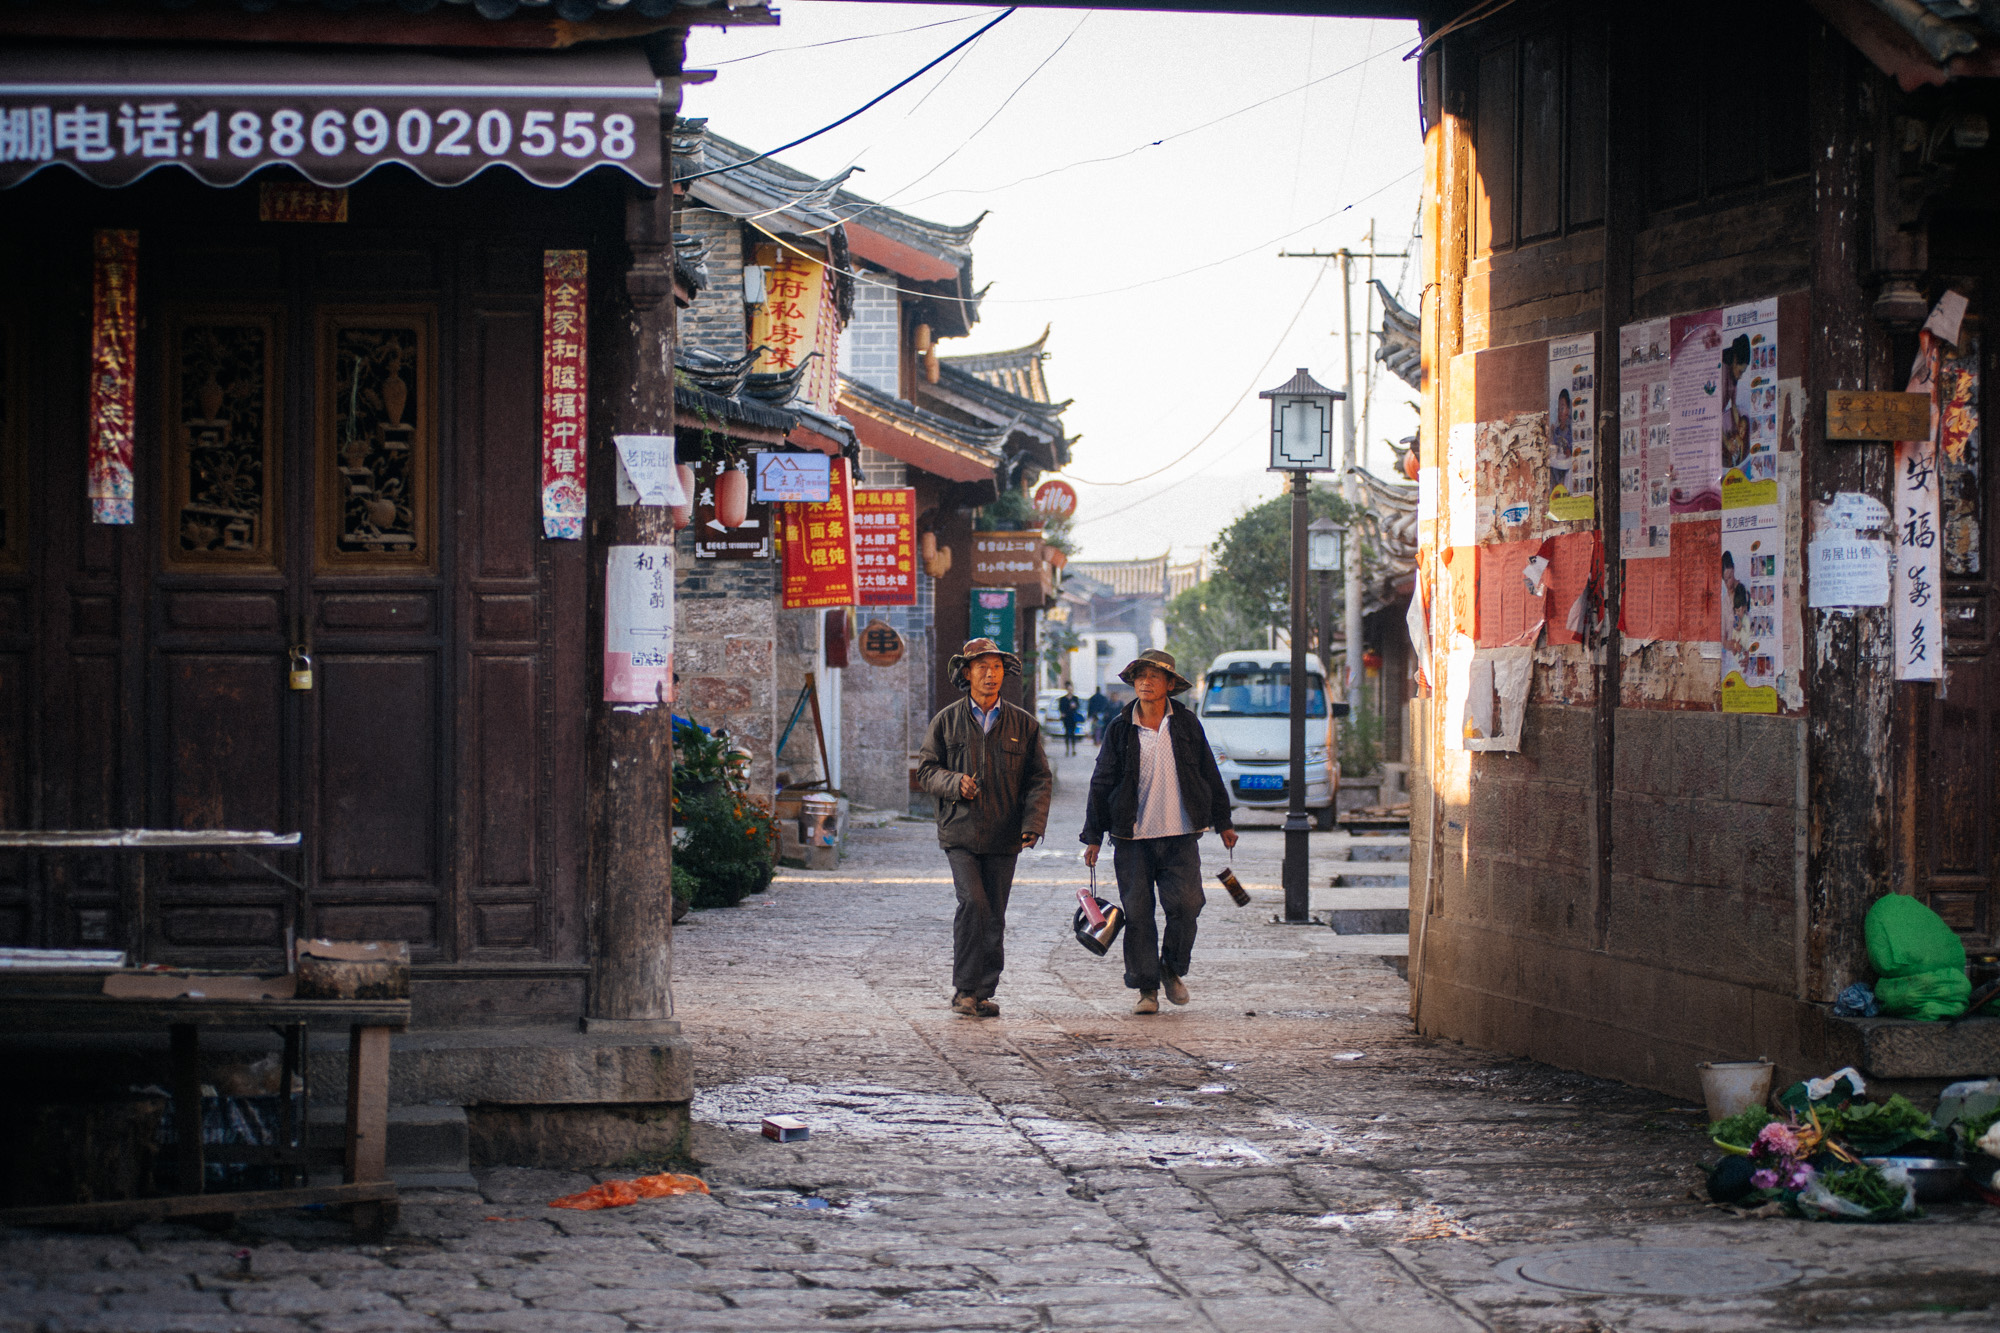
786,1129
619,1193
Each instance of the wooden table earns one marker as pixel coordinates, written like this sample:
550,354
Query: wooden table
62,1003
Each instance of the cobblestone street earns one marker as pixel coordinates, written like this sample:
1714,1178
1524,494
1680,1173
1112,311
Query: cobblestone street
1282,1154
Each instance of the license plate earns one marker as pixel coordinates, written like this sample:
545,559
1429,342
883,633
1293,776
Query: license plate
1261,782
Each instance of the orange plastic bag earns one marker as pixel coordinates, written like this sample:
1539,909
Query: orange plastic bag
618,1193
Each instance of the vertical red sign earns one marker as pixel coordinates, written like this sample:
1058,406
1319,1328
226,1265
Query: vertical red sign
885,543
565,389
114,326
816,544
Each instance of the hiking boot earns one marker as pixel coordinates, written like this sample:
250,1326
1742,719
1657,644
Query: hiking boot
988,1009
1149,1002
965,1006
1175,988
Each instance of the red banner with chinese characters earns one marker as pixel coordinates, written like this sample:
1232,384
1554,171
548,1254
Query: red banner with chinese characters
885,543
565,387
816,546
798,317
114,328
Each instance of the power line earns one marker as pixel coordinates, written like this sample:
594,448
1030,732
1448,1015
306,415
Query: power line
737,166
837,41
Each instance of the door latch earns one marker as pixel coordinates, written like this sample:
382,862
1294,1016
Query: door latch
302,669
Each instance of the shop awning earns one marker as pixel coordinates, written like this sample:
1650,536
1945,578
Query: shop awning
114,114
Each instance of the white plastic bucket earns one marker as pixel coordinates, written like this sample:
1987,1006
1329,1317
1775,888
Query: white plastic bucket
1734,1086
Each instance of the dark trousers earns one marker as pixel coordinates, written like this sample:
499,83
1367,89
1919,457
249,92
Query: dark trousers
1169,870
979,930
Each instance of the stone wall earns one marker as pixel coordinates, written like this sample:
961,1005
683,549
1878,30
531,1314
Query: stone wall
724,637
870,346
715,322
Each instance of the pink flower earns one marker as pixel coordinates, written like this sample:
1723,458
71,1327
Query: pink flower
1798,1176
1765,1179
1777,1140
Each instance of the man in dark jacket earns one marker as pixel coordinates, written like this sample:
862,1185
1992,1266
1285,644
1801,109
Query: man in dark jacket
983,760
1156,787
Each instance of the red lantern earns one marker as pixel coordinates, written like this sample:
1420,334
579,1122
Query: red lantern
732,497
684,513
1371,661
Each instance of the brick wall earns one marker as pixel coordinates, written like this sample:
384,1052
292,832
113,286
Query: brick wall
725,628
715,321
870,344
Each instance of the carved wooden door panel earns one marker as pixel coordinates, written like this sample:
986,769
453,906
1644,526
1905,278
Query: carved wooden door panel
1957,733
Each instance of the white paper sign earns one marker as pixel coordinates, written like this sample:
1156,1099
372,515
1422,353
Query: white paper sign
1917,605
1486,696
646,474
1848,571
1946,317
639,625
1858,511
793,478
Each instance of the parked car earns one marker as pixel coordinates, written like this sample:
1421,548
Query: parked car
1048,710
1245,708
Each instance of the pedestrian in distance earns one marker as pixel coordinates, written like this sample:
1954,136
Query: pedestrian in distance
1099,711
1155,790
984,762
1071,709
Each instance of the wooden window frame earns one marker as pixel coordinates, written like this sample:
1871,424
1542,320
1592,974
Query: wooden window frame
1564,25
268,555
421,558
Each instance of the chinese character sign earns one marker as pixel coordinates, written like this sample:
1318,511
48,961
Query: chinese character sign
1007,557
817,548
1917,599
796,320
993,616
565,391
885,545
639,625
114,325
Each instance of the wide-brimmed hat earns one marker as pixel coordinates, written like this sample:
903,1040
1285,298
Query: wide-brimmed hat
975,648
1153,657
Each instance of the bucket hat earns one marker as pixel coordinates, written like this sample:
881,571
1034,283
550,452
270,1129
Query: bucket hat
1153,657
975,648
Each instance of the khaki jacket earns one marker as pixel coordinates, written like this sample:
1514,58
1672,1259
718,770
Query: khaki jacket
1012,770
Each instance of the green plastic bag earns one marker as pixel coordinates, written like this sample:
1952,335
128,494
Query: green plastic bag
1920,961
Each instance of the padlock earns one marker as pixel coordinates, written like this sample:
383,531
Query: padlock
302,669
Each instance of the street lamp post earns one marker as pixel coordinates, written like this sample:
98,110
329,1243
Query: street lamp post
1301,444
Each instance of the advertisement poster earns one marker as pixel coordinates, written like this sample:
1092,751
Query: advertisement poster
1573,429
1917,605
797,319
646,474
1848,570
816,546
1645,441
1510,478
1694,385
114,333
639,625
885,544
791,478
993,616
1751,591
1748,402
565,392
713,540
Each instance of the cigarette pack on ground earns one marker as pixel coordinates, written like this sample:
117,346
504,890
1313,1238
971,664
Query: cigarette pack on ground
785,1128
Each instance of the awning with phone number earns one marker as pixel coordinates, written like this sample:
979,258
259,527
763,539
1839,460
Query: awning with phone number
115,114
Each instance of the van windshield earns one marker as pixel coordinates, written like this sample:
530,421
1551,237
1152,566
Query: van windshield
1259,692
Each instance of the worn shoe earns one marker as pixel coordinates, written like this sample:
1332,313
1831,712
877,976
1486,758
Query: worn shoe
1175,988
1149,1002
988,1009
965,1006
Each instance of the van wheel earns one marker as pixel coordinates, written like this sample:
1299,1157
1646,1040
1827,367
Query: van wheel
1323,818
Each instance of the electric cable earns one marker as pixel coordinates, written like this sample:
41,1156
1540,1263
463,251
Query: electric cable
838,41
737,166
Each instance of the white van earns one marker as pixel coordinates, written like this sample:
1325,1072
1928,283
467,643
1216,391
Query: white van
1245,707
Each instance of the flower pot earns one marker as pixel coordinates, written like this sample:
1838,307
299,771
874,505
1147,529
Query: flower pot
732,497
1734,1086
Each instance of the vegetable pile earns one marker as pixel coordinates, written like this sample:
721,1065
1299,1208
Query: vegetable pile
1809,1161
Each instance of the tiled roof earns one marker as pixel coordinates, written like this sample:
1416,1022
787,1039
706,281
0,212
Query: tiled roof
1127,578
1401,350
1018,370
1921,41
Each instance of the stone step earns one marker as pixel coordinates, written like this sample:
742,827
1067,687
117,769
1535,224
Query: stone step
1356,874
1379,849
1380,946
1369,921
1364,898
429,1146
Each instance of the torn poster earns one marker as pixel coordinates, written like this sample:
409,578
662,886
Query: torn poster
1748,403
1417,622
1645,441
1859,511
1695,379
1486,696
1460,493
1508,614
1572,572
639,625
1918,598
1946,316
1696,556
1572,450
1752,562
646,473
1511,476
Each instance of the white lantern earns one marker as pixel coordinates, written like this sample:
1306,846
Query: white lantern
1302,424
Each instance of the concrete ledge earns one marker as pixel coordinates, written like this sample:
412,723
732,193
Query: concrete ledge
519,1066
575,1138
1904,1048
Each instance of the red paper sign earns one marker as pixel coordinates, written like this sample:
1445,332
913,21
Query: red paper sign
114,326
565,389
816,545
885,543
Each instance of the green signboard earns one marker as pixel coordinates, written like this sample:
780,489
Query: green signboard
993,616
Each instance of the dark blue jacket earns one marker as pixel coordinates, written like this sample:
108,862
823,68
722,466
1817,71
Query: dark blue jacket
1113,803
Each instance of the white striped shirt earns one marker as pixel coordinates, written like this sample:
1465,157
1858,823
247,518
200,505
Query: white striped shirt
1161,811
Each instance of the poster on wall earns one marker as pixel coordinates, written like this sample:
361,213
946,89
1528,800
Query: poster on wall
1694,383
1572,454
885,544
1511,478
1747,398
565,392
1486,696
816,546
1917,599
1645,441
114,333
639,625
1752,563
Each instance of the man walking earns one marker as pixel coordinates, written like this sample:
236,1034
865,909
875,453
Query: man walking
1155,788
1071,710
983,760
1098,710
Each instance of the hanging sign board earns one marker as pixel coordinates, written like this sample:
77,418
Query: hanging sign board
1852,414
1007,557
993,616
713,540
1056,498
881,646
1917,600
816,546
792,478
639,625
565,392
114,331
885,544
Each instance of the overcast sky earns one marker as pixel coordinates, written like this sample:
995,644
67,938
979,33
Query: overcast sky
1158,269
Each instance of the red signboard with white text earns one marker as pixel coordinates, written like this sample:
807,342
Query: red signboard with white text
885,545
816,546
565,391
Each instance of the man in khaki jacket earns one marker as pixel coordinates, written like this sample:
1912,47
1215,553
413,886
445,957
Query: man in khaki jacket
983,761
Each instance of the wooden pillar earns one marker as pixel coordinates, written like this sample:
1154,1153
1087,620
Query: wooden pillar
630,748
1849,659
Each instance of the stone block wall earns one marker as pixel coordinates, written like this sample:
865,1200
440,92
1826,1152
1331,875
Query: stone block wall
715,322
724,650
870,345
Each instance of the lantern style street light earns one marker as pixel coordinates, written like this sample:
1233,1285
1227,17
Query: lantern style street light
1326,545
1301,444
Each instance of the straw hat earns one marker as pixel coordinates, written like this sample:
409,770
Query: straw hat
1153,657
976,648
